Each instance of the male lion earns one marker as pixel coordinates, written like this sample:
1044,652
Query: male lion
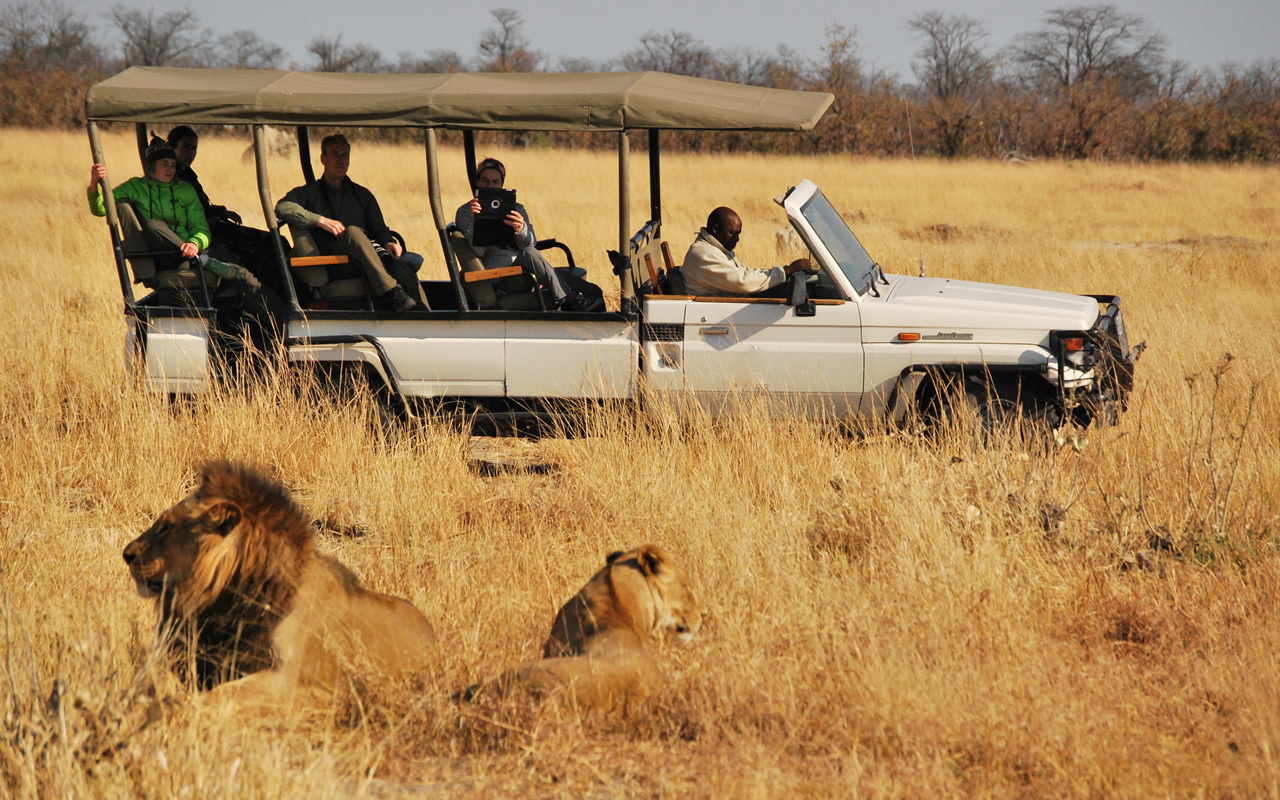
598,650
250,608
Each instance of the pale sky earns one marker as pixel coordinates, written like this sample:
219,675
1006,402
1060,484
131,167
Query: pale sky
1204,33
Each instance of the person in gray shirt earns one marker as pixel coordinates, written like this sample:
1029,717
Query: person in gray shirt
334,215
491,174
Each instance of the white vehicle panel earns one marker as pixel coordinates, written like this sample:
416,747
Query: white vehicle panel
736,347
945,303
177,354
429,358
562,359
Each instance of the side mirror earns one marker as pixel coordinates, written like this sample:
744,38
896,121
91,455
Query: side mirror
799,295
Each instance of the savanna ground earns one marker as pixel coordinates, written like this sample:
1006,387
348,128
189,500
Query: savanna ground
891,615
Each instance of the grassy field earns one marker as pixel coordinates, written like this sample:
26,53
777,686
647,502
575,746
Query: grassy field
890,616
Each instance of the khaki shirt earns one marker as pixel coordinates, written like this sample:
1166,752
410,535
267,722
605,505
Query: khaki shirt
710,269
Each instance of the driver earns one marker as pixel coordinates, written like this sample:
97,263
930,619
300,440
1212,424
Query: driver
711,268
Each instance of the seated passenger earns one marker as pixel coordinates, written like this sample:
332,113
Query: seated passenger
711,268
159,214
232,241
568,292
334,215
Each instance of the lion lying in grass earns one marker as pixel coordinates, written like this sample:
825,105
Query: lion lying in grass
252,611
599,648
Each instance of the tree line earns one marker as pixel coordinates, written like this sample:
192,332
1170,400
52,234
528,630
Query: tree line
1090,82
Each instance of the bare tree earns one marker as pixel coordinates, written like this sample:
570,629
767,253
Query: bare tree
47,36
173,38
434,61
951,62
244,49
576,64
839,71
1090,61
953,69
1084,46
744,65
504,48
333,56
674,51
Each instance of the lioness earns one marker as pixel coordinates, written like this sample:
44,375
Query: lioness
249,606
599,647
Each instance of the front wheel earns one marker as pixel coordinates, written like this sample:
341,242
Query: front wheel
988,406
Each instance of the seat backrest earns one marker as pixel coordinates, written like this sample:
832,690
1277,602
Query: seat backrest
481,294
304,246
673,282
646,266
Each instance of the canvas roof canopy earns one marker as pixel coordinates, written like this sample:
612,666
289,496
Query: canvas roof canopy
606,101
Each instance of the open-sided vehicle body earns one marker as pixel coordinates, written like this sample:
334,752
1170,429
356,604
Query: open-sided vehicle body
849,341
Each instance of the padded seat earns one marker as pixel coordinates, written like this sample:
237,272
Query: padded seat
674,282
506,288
313,271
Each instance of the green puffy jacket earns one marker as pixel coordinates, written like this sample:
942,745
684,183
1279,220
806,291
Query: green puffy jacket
175,203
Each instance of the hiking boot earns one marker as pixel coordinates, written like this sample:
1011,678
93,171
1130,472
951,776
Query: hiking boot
577,301
398,300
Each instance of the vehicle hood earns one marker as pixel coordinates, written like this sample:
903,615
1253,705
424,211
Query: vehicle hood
991,312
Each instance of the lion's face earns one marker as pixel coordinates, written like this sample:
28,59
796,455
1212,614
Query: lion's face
166,553
679,610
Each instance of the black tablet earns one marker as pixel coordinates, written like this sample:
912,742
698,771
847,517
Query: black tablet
489,228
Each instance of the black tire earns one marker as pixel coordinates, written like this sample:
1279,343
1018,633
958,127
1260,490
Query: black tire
990,405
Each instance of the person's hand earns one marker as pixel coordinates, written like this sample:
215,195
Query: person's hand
97,175
189,250
516,221
394,248
331,225
799,265
475,206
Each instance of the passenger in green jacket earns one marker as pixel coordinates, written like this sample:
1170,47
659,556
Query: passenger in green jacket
160,215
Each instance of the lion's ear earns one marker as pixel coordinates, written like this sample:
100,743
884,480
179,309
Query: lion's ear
651,558
614,556
224,516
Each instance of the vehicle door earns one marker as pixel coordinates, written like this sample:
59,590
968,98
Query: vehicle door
743,349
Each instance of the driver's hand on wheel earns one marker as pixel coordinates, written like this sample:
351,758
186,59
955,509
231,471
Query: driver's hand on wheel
799,265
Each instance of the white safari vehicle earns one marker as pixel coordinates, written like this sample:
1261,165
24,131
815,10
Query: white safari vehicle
848,341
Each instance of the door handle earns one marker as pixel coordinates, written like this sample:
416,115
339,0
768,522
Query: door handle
715,330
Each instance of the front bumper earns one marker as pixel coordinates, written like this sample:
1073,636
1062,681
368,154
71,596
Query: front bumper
1111,361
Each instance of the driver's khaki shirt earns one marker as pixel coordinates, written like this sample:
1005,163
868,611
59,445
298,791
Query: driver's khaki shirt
710,269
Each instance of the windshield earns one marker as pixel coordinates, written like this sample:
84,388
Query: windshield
854,262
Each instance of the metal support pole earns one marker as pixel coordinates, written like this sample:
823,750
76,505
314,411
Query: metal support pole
304,155
269,211
624,221
437,213
469,148
655,182
113,219
140,133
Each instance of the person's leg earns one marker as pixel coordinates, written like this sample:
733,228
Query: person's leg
405,271
261,302
355,243
159,236
250,248
530,260
133,241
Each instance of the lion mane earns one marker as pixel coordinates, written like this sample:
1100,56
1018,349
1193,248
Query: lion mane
600,647
250,609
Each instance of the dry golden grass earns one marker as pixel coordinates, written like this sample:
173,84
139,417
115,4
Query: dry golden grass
891,617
